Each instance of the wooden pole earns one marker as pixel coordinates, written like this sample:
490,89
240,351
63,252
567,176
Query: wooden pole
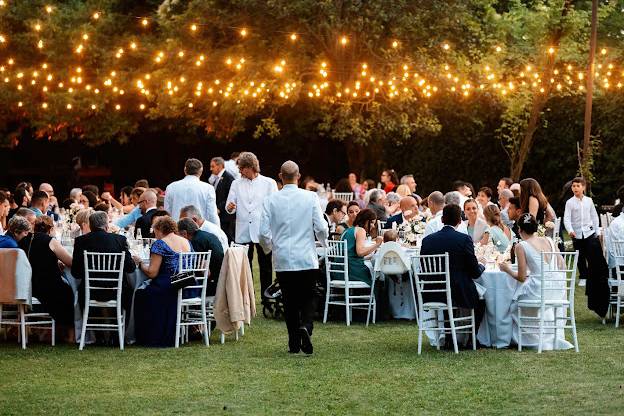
586,154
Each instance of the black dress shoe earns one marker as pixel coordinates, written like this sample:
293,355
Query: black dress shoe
293,351
306,342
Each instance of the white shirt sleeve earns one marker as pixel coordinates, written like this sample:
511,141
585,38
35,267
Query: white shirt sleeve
321,229
567,217
232,197
594,218
168,199
211,206
265,227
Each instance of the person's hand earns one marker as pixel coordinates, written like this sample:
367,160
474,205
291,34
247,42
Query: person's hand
53,201
379,240
231,206
482,260
61,265
137,260
106,196
505,267
572,234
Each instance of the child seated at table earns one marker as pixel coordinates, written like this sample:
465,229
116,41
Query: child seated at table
390,235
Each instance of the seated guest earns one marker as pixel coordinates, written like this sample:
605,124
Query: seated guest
357,248
82,219
377,203
463,264
142,183
403,191
5,206
156,304
390,235
334,213
503,202
484,198
353,208
147,205
477,228
99,240
409,209
193,213
101,207
389,180
88,199
515,189
74,195
500,234
615,232
21,197
28,214
19,227
52,208
134,214
45,255
393,204
435,201
514,211
39,203
94,190
203,241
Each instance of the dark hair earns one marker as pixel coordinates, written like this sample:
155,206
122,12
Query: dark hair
529,187
234,155
43,224
159,213
394,178
165,224
334,204
38,196
364,219
126,190
472,191
101,207
469,201
141,183
91,188
487,191
527,223
193,166
188,225
508,181
3,197
458,184
371,184
451,215
137,191
343,185
351,204
24,185
67,203
19,195
91,197
515,201
580,180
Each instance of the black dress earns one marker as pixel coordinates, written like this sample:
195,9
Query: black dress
48,286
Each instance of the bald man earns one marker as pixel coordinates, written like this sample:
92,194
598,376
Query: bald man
409,209
291,218
147,205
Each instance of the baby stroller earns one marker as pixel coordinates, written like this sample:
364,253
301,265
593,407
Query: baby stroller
273,302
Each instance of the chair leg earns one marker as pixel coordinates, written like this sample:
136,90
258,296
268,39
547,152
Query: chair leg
222,338
420,331
370,301
411,278
555,309
327,292
541,331
519,328
83,332
206,326
120,328
347,306
453,333
617,312
53,332
178,319
574,336
23,332
474,332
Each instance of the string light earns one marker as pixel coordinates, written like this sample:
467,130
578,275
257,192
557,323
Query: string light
243,32
293,37
48,9
96,16
395,44
344,40
144,22
193,27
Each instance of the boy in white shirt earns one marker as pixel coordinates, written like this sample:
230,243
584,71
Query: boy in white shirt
581,221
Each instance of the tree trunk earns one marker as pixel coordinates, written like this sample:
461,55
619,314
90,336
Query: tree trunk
539,101
586,154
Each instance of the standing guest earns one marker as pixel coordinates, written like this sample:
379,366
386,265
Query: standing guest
222,184
147,204
202,242
99,240
376,203
142,183
389,180
581,221
503,183
231,165
192,191
74,195
515,188
335,211
503,202
5,206
409,209
18,228
500,234
88,199
534,202
46,255
289,234
353,208
463,265
245,200
410,182
156,304
194,214
365,225
484,198
22,200
39,203
477,228
436,205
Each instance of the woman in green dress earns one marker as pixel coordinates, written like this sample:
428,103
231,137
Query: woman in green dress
500,234
357,247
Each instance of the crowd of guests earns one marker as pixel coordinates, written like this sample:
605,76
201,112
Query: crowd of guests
193,215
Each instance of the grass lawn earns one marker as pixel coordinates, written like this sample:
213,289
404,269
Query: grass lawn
354,370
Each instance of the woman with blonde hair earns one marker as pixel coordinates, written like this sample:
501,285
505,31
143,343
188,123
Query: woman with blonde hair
500,234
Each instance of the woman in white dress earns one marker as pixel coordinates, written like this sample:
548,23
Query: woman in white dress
529,259
477,228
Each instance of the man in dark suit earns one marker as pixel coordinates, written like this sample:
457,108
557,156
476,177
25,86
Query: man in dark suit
463,264
409,209
203,241
222,181
101,241
147,204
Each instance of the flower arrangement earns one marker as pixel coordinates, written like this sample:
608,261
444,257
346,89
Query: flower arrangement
490,253
413,228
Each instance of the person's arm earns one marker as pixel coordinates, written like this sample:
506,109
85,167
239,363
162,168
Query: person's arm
485,238
230,205
550,214
594,217
106,196
521,274
321,229
533,206
266,241
129,219
151,271
61,253
473,267
360,243
169,200
567,219
211,206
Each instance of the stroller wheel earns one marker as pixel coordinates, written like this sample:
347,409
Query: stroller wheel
278,312
267,311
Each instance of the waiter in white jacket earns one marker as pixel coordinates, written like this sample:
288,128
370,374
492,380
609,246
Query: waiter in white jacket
291,218
245,200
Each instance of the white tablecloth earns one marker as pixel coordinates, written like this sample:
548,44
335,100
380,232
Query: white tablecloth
496,326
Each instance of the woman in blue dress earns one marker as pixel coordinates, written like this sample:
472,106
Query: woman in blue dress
156,304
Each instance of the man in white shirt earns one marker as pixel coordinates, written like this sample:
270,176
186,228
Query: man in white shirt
231,166
192,191
435,202
291,218
193,213
245,200
581,221
615,232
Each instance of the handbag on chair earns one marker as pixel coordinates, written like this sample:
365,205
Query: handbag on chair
182,280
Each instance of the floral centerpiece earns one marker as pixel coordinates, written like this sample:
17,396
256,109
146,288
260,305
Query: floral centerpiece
490,253
413,228
548,230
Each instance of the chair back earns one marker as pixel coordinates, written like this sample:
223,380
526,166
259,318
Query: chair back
245,246
198,263
103,273
432,278
556,229
336,262
616,247
392,259
344,196
558,276
381,225
147,242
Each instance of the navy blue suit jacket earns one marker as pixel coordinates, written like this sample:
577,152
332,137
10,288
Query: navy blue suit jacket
463,265
398,218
